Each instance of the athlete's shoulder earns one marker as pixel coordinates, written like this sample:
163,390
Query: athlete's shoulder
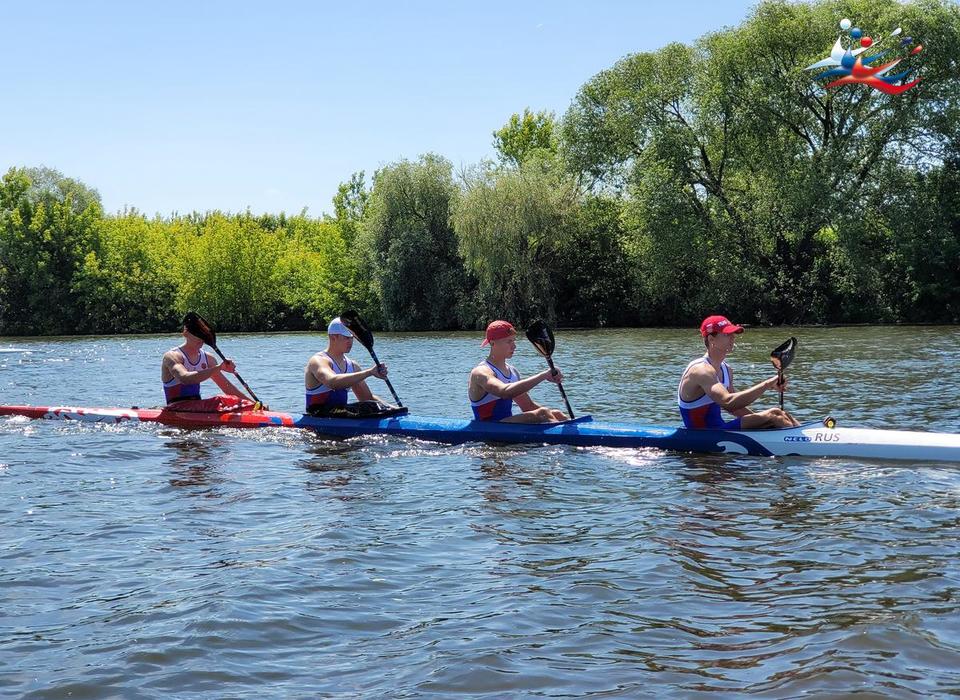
318,359
482,370
700,366
173,354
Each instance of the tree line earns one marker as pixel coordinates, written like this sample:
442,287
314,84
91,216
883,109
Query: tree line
712,177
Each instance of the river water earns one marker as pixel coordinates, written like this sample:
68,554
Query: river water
143,561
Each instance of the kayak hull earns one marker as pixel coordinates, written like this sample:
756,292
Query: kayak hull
808,440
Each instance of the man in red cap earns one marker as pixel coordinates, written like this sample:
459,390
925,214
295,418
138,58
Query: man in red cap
707,386
495,385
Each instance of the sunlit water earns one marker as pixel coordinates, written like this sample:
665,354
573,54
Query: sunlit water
144,561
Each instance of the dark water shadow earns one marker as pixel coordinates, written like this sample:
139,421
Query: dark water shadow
501,473
333,464
196,462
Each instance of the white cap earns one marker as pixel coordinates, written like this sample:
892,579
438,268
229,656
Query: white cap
336,327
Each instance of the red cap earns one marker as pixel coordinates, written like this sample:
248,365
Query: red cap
718,324
498,330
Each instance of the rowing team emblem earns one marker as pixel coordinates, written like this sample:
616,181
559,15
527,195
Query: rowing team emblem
852,63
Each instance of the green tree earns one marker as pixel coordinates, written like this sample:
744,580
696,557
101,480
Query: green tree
411,246
523,135
225,269
593,278
312,274
126,282
754,156
355,267
47,224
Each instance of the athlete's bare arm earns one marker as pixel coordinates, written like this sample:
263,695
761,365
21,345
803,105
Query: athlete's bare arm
483,380
172,366
705,379
319,371
220,379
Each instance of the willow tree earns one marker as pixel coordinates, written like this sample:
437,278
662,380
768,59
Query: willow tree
752,186
512,224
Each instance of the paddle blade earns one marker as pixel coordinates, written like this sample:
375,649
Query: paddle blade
196,324
541,336
352,320
782,356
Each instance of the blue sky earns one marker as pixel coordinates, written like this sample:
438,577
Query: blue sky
269,106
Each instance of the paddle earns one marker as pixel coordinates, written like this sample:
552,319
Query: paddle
781,358
541,336
196,324
352,320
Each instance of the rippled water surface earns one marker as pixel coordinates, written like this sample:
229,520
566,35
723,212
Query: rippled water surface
144,561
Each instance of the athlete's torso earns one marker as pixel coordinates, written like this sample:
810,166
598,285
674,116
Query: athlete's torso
322,395
173,390
704,412
490,407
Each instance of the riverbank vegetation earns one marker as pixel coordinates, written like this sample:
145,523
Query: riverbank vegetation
716,177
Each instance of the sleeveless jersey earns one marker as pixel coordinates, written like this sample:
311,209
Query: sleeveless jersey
490,407
705,412
174,391
323,395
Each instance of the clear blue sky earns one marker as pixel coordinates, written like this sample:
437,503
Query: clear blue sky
180,106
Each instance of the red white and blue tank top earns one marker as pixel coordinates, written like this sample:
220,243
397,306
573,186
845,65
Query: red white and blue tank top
173,390
490,407
323,395
705,412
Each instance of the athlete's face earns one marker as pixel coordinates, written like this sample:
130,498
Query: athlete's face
190,337
507,345
341,343
723,341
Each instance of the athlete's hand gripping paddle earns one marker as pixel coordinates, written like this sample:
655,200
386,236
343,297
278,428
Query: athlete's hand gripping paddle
198,326
541,336
781,358
352,320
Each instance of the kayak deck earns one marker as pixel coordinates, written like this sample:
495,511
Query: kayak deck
810,440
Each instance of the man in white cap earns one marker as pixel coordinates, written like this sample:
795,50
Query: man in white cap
330,374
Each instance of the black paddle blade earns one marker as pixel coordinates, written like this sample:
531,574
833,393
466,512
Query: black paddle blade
352,320
541,336
196,324
783,355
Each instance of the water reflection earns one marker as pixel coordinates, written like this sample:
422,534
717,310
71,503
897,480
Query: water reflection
333,465
196,462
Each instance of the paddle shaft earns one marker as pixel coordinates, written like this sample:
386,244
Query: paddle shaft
389,385
235,374
780,382
560,387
